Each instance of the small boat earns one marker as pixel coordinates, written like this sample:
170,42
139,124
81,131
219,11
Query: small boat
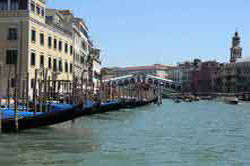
188,100
206,98
197,98
232,100
177,100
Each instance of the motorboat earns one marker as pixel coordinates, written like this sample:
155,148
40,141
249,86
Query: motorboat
232,100
197,98
189,100
177,101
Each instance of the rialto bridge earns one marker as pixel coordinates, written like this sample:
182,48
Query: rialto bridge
167,86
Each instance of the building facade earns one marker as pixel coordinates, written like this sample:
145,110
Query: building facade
182,74
95,68
81,45
35,40
234,78
32,39
196,76
207,77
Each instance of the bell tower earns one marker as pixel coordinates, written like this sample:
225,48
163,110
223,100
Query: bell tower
236,50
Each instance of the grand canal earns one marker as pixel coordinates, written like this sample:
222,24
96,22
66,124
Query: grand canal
205,133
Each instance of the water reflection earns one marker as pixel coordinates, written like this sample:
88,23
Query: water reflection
47,146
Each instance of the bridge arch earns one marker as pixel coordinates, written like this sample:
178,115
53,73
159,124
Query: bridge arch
166,84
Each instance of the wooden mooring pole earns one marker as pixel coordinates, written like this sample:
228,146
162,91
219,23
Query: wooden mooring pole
27,92
16,98
35,92
1,117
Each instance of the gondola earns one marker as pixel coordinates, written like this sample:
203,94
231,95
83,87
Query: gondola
40,120
59,115
55,116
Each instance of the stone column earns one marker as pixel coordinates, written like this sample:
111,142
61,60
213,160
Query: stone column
8,4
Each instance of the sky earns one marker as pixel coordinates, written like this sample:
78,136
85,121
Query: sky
145,32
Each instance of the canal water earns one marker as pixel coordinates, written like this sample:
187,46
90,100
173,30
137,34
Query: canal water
205,133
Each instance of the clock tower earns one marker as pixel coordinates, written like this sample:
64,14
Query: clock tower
236,50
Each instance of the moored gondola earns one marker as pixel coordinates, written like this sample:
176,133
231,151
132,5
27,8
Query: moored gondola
39,120
62,113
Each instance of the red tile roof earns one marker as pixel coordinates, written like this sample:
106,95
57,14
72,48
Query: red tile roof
153,67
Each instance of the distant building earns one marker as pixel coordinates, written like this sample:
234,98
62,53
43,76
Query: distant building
196,76
196,80
108,73
183,75
176,74
235,78
207,76
227,78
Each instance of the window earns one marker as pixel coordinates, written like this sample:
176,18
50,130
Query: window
49,42
49,18
42,12
13,83
33,35
66,48
60,66
77,57
54,65
55,43
82,60
59,86
12,34
84,46
33,6
3,4
71,50
42,61
32,83
33,59
38,10
71,68
49,63
23,4
60,46
41,39
11,57
66,67
14,5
